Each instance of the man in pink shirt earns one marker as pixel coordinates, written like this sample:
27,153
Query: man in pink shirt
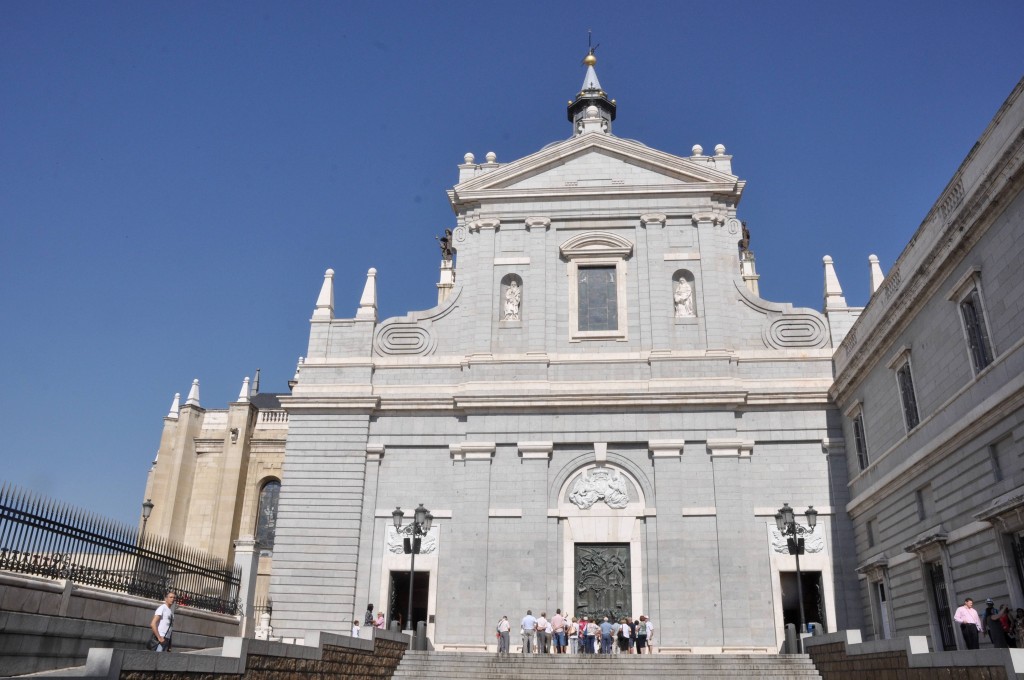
970,624
558,628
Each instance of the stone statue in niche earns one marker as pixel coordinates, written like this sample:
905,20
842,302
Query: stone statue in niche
599,484
814,541
683,297
513,300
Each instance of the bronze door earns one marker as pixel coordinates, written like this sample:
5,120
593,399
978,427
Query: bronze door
602,581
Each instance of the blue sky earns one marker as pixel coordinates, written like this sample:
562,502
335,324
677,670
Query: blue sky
176,176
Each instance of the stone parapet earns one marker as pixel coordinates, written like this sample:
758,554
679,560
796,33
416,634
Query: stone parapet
47,624
842,656
338,657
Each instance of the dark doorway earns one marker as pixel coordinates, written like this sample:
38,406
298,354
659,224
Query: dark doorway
602,580
814,606
398,597
937,579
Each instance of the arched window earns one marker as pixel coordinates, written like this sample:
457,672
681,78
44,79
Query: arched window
266,515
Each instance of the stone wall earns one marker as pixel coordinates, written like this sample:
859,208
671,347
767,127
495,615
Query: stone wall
47,624
842,656
325,656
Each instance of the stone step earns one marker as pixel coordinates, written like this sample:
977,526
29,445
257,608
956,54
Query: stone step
489,666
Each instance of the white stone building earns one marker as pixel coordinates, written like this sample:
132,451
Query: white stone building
601,413
930,380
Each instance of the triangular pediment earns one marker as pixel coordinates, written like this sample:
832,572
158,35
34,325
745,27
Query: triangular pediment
596,160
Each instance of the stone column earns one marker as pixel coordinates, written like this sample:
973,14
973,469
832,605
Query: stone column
247,559
462,566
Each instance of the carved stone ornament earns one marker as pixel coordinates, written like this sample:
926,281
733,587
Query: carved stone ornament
395,540
599,484
513,298
814,541
683,299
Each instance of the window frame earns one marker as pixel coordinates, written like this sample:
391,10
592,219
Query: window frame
597,249
860,443
263,484
967,287
900,365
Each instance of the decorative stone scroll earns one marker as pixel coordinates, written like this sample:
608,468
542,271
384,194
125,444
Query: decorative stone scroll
796,330
600,484
814,541
398,338
395,539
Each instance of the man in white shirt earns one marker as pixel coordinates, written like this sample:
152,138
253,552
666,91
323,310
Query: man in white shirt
162,624
529,625
970,624
503,630
542,633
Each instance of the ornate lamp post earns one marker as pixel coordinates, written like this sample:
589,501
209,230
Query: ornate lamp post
147,510
785,520
422,519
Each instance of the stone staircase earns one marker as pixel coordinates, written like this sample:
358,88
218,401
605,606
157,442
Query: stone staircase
480,666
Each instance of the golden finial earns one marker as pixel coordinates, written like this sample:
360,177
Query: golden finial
590,59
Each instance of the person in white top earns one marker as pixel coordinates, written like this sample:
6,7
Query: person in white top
650,634
355,628
542,633
162,624
574,632
503,628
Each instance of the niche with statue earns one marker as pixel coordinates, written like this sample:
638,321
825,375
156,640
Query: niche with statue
684,297
510,302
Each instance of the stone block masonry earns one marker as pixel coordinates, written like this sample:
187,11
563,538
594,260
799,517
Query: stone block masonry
324,657
842,656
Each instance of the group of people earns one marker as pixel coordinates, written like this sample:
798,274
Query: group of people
369,620
1002,627
563,634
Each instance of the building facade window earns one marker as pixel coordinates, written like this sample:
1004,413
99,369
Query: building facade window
967,294
597,285
881,605
860,442
266,515
598,305
908,396
974,328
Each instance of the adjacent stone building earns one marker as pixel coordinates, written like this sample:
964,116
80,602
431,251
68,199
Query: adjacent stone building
930,380
217,475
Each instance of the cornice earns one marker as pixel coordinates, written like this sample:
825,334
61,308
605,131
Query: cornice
733,189
626,150
916,276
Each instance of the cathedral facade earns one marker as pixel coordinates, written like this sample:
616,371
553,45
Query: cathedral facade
601,414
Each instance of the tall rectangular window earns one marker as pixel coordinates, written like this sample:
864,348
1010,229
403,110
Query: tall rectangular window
974,327
859,440
598,304
919,504
907,395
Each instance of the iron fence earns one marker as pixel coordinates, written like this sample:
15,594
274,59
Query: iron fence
42,537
